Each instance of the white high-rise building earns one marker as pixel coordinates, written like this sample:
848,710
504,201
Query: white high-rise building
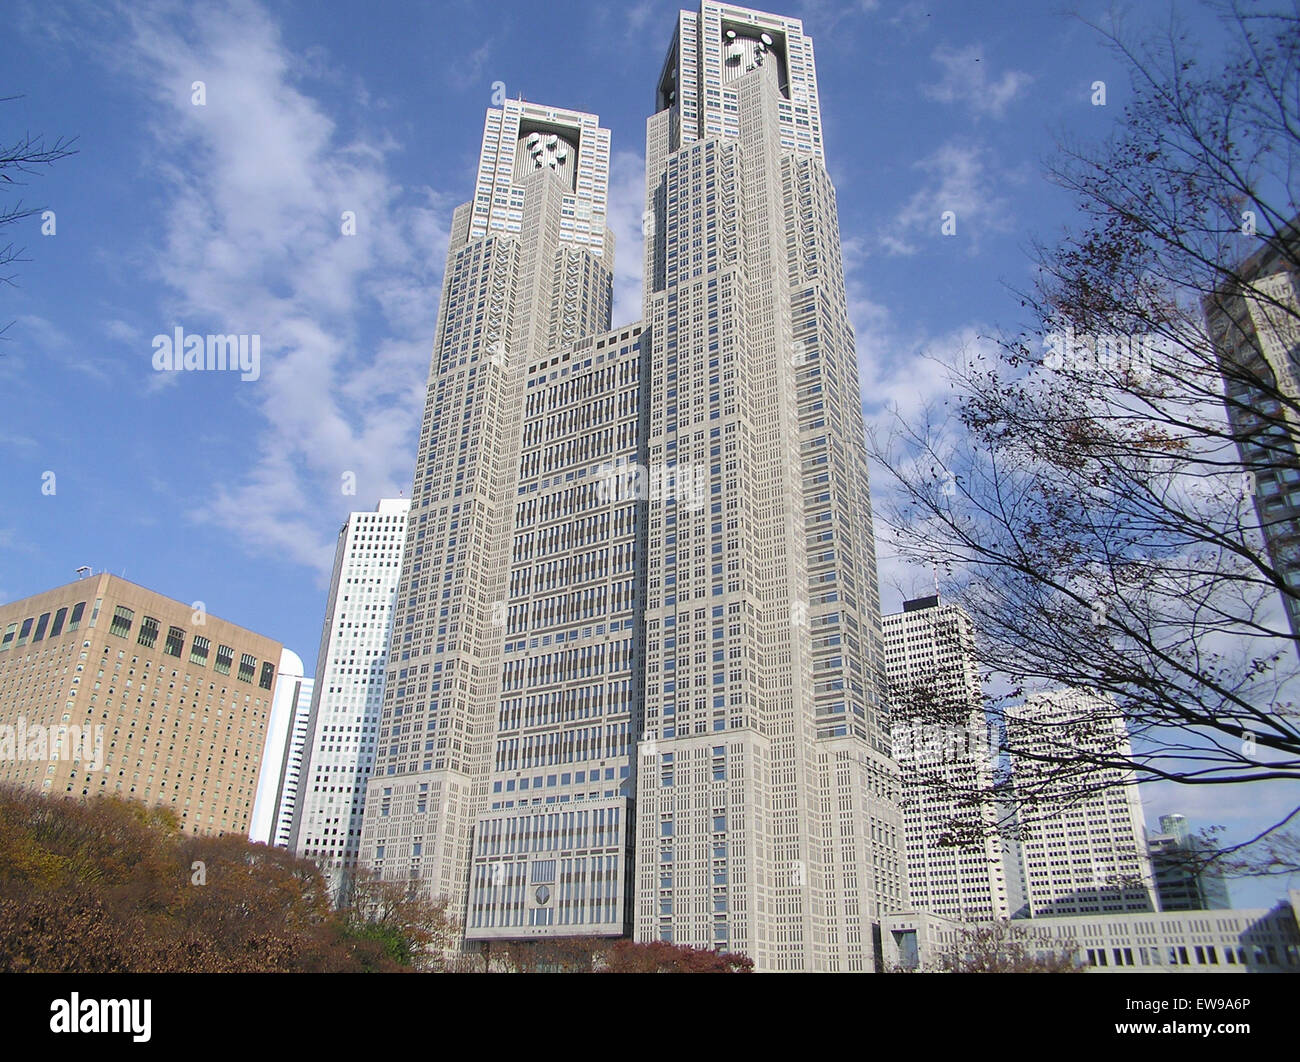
767,800
528,274
340,730
289,706
1082,829
640,576
1255,325
291,767
956,858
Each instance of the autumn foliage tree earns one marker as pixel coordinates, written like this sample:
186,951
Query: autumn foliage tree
656,956
108,886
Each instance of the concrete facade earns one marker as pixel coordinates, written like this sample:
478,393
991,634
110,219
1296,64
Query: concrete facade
181,700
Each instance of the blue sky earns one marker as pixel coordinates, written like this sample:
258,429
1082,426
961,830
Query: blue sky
225,218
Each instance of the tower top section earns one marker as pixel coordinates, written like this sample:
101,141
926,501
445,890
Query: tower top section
521,139
720,44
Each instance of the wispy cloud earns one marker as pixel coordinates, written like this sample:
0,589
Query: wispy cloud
626,207
958,178
33,334
256,185
466,71
965,79
911,18
638,16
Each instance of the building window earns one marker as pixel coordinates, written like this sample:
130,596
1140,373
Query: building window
225,657
78,610
199,651
148,632
268,675
247,667
41,625
122,619
175,641
59,617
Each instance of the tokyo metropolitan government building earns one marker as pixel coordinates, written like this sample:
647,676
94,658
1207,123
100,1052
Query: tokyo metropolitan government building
636,684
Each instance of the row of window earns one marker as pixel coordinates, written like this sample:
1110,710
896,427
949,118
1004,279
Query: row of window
16,635
37,628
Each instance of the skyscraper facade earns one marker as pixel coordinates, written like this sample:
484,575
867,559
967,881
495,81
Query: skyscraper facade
108,688
342,723
528,273
1185,879
1255,326
289,790
636,678
956,856
552,850
1081,823
278,747
767,800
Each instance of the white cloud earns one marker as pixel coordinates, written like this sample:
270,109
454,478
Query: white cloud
626,207
467,71
638,16
37,336
911,18
965,79
256,182
958,178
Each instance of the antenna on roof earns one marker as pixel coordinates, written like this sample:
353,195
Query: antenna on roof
83,571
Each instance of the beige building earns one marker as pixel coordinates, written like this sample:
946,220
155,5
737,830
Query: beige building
107,687
694,640
768,817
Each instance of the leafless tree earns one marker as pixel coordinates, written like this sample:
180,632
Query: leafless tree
1083,494
23,156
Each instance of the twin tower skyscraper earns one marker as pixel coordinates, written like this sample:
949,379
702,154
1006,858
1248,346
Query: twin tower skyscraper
636,683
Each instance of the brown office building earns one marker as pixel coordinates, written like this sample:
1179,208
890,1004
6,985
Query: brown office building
183,700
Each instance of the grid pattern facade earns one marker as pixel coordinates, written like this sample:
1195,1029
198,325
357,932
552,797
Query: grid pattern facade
343,722
552,852
1183,880
768,817
509,156
1256,331
1217,942
714,49
289,790
1082,832
930,653
528,264
183,699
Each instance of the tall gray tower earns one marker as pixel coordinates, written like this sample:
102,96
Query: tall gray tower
528,272
636,677
768,817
